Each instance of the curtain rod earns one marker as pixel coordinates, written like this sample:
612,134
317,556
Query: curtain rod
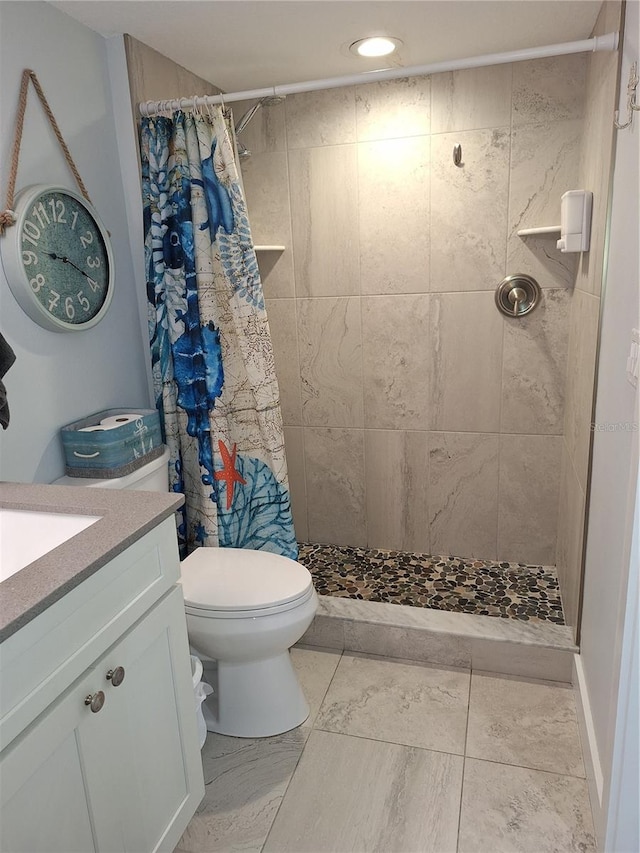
597,43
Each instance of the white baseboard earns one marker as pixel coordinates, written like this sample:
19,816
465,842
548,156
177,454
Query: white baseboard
593,767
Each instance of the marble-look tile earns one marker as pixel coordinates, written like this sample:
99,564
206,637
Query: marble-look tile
533,634
265,131
526,661
469,210
534,367
294,448
334,460
375,796
525,723
515,810
315,669
330,343
266,187
544,165
245,781
282,325
581,366
389,109
471,99
407,643
388,700
324,632
324,216
465,331
396,357
549,89
393,188
571,517
528,498
276,273
396,478
326,117
463,494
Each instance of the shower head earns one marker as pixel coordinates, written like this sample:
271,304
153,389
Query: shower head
268,101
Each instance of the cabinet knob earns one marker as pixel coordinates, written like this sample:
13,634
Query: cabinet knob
95,701
116,676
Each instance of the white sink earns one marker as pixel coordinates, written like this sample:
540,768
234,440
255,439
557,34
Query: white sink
25,536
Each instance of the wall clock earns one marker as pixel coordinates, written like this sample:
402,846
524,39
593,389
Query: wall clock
58,260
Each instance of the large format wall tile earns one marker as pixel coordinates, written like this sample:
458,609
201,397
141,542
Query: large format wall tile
528,498
294,448
466,362
393,186
396,478
390,109
330,342
571,513
549,89
324,213
469,210
282,324
266,187
334,463
583,342
544,165
471,99
534,366
327,117
463,494
396,355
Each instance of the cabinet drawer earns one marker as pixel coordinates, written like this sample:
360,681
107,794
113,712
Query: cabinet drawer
41,660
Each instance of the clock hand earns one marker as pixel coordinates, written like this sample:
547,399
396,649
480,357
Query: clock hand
65,260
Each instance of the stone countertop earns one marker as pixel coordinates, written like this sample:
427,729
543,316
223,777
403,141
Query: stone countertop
124,517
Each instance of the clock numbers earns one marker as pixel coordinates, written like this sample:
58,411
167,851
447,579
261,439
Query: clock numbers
85,239
74,219
84,302
68,307
58,210
30,232
37,282
93,284
54,299
40,213
29,257
93,262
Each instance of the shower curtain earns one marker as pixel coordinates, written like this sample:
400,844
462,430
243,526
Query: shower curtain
211,352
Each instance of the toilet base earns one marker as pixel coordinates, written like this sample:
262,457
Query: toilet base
255,699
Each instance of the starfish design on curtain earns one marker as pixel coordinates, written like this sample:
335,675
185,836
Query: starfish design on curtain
229,472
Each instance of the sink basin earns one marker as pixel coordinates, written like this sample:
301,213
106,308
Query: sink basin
25,536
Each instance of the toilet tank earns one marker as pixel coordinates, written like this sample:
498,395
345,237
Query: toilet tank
152,477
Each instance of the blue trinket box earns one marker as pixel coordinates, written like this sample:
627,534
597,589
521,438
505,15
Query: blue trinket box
111,443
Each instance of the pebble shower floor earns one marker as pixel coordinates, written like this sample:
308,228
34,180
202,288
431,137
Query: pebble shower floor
458,584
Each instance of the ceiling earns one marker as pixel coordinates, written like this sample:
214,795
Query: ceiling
246,44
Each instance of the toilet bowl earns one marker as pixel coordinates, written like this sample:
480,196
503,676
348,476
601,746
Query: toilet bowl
244,610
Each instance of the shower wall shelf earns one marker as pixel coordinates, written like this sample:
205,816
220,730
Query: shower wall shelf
269,248
533,232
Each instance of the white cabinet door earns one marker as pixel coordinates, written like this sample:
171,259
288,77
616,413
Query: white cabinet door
127,778
159,778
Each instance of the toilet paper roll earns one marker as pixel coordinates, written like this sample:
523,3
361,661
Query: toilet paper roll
97,428
120,420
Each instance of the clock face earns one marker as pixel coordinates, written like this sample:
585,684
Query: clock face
60,269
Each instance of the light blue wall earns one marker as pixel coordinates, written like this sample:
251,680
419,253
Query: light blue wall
58,378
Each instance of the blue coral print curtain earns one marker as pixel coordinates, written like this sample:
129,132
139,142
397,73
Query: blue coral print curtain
211,352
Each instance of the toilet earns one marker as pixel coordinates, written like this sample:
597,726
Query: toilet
245,609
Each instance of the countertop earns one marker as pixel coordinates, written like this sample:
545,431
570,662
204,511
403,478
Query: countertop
125,516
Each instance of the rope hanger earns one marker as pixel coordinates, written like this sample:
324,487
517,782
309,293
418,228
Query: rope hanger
7,216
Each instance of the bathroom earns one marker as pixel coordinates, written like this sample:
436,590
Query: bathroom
515,451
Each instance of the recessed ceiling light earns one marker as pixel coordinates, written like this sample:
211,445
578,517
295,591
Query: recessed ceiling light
375,46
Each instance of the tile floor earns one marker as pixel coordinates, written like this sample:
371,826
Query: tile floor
458,584
398,756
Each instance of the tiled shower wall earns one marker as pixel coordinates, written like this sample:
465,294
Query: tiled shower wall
418,417
595,174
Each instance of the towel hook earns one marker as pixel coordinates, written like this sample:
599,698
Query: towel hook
457,155
632,87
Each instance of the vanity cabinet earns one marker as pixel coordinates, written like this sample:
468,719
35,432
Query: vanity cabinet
113,762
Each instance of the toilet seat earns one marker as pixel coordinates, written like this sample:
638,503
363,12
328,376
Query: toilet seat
236,583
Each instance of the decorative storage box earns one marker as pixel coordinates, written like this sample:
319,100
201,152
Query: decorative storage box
111,443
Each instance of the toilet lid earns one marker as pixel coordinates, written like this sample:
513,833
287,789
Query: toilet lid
240,579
